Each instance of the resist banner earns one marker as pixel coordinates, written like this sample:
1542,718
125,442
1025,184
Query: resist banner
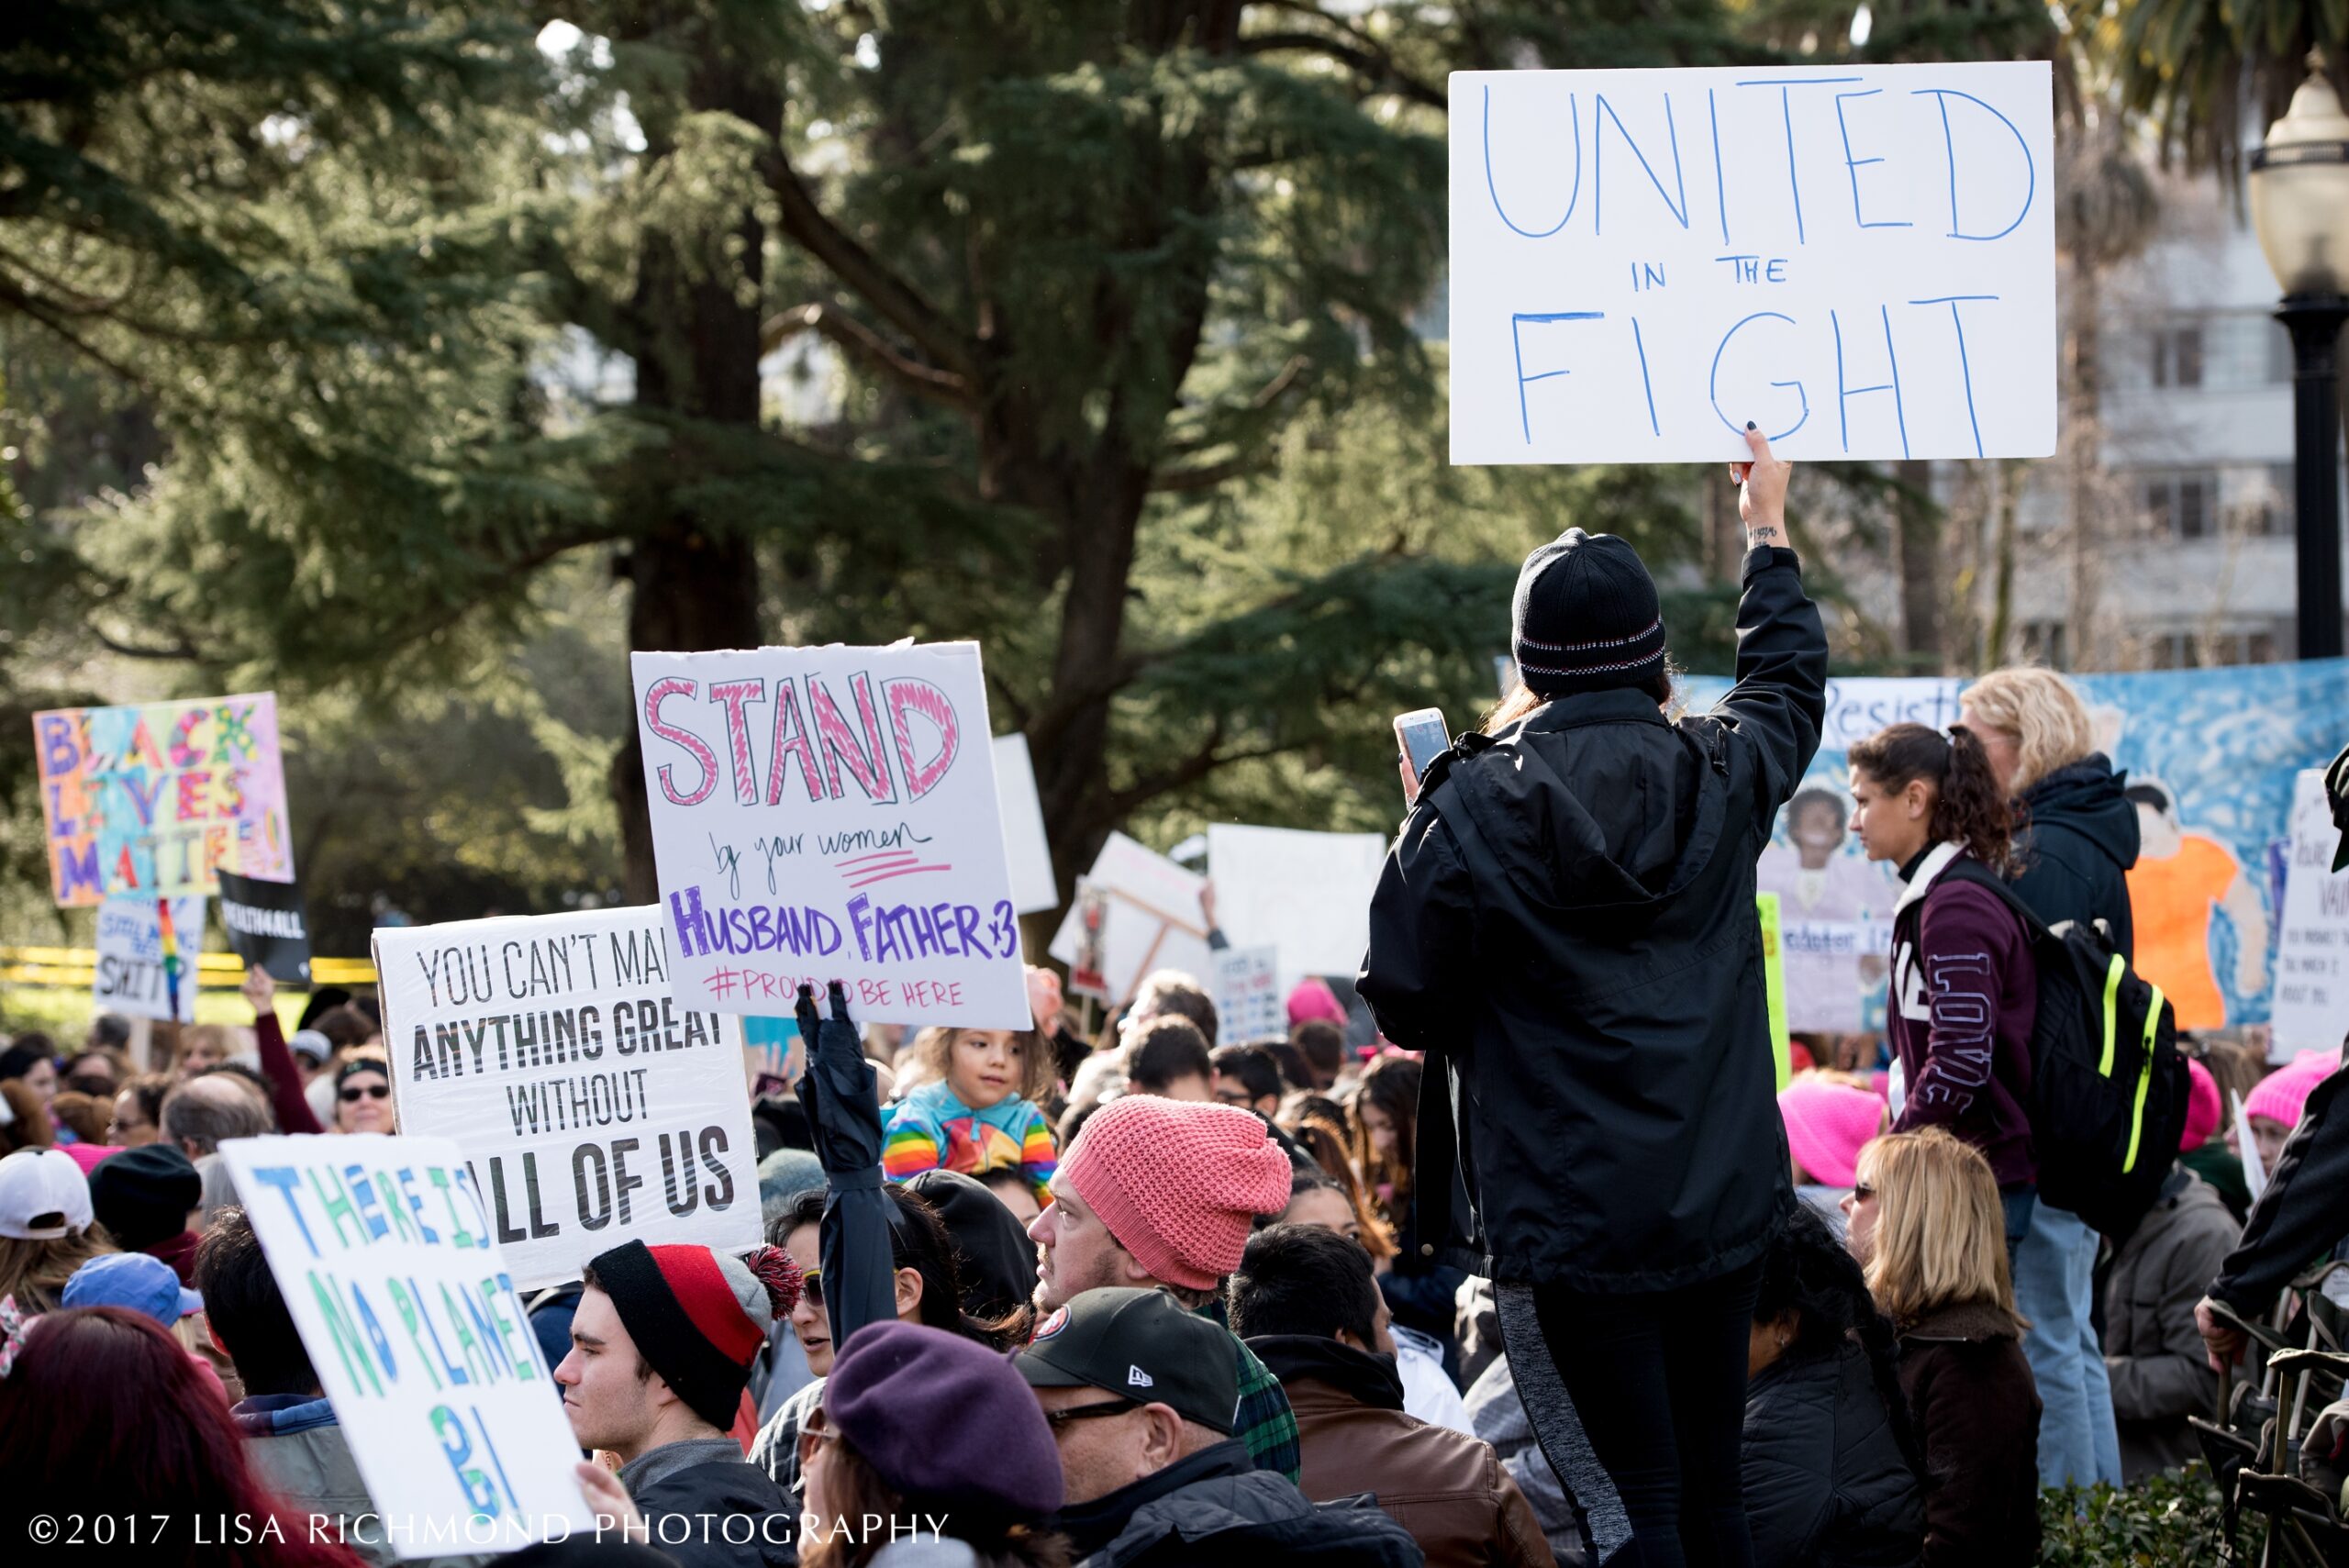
590,1104
415,1323
151,801
1861,259
826,813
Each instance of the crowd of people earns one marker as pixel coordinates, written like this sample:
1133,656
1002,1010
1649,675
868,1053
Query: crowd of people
1518,1257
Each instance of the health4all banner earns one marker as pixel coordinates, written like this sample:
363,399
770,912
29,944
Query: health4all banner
414,1322
2210,757
591,1104
825,814
151,801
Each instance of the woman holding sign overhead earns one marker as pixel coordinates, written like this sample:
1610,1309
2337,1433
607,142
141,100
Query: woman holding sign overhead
1567,925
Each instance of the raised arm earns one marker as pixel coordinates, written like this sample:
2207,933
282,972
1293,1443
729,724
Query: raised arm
1780,698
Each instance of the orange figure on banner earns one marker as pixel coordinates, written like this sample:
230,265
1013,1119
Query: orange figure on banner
2180,876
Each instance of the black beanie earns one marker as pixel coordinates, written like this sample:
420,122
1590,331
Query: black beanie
1585,617
995,1260
142,1196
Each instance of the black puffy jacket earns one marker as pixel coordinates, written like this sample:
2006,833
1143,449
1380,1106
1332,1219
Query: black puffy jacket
2079,840
1214,1509
1826,1483
1567,923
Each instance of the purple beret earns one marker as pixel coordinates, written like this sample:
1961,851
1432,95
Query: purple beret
945,1422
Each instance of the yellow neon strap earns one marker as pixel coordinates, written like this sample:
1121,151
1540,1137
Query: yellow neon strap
2145,1081
2111,1011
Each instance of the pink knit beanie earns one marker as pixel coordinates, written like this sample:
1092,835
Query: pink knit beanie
1311,999
1827,1123
2281,1095
2202,1110
1178,1183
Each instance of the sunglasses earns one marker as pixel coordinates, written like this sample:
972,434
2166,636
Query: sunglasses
368,1091
1863,1193
811,1287
1057,1419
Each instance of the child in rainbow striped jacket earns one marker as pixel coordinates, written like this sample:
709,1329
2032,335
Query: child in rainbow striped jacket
975,1110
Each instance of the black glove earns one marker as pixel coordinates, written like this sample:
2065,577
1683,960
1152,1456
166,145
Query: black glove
839,1089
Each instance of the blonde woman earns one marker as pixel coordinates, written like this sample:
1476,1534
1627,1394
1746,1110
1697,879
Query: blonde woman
2076,839
1930,1233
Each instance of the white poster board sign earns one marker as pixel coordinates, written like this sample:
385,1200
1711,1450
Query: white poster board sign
1861,259
1249,1001
590,1104
2311,1005
130,969
1306,893
1154,919
383,1252
825,814
1024,844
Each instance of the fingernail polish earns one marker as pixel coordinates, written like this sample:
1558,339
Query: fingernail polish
1749,424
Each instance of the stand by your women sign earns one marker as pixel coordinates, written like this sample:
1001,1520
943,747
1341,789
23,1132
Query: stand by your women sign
825,814
1858,259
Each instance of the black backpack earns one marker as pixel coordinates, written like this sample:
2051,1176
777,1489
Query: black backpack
2108,1088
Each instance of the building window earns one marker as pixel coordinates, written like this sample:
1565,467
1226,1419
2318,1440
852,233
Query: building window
2178,356
2271,511
2182,503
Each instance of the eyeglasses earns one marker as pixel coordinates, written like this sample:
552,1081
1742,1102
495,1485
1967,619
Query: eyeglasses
1863,1193
352,1095
813,1430
811,1287
1056,1420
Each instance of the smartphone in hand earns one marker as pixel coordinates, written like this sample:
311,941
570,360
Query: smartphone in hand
1422,738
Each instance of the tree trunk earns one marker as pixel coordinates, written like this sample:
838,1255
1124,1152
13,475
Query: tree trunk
1922,591
695,580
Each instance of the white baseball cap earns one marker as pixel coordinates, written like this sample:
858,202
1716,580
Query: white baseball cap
43,1196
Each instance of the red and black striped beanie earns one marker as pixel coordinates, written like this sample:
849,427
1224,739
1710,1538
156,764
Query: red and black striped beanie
698,1316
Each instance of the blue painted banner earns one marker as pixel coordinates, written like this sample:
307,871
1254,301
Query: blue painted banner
2211,755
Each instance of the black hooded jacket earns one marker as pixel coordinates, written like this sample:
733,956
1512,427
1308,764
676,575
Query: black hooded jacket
1567,923
2077,842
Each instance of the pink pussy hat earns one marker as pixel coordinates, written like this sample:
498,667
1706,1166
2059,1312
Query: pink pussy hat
2284,1094
2202,1109
1827,1124
1314,999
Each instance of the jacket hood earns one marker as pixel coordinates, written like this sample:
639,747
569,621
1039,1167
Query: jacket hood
2086,798
1623,826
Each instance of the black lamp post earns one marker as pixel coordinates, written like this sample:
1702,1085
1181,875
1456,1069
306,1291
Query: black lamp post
2299,205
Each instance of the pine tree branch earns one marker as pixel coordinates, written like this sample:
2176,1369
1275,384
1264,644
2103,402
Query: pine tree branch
1356,52
841,327
864,274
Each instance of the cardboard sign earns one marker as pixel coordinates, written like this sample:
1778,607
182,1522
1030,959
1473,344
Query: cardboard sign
1153,920
1248,1002
1024,841
151,801
2311,1002
1307,894
1861,259
137,957
825,814
592,1106
415,1323
266,925
2254,1165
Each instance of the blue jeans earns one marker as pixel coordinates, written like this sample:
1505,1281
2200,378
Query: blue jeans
2055,1287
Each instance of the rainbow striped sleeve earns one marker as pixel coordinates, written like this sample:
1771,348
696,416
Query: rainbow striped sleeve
1038,1157
911,1147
